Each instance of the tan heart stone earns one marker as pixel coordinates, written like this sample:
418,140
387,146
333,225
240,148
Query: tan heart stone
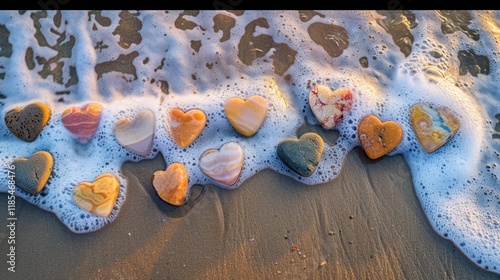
171,184
246,116
31,174
186,127
98,197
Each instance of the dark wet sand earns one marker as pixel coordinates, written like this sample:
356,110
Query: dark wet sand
366,224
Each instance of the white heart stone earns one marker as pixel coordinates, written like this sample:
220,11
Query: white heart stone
223,165
329,106
137,135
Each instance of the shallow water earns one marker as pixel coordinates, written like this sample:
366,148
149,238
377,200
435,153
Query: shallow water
188,59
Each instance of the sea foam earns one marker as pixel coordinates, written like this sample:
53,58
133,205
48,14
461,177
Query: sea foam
130,61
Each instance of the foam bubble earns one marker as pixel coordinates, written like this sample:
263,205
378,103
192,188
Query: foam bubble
180,60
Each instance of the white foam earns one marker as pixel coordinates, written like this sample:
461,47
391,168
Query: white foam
457,190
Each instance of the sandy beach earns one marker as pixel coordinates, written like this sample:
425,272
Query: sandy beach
366,224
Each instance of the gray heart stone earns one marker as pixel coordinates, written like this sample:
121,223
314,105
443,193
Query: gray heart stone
301,155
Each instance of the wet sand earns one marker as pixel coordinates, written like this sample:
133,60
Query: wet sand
365,224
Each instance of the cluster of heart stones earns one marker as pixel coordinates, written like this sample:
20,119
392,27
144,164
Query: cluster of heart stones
98,197
433,128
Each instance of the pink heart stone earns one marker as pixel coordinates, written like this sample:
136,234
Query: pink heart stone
82,123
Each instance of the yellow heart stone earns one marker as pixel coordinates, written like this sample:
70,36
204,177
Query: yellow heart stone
246,116
171,184
433,127
186,127
98,197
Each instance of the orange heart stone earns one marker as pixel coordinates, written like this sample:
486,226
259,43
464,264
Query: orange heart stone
171,184
98,197
186,127
377,138
246,116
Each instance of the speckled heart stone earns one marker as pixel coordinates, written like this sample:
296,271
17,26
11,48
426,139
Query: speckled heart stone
98,197
378,138
82,123
433,127
27,123
246,116
329,106
171,184
137,135
301,155
33,173
186,127
223,165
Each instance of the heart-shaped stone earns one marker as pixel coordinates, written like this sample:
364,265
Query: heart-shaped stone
31,174
186,127
27,123
223,165
82,123
433,127
98,197
171,184
377,138
246,116
329,106
137,135
301,155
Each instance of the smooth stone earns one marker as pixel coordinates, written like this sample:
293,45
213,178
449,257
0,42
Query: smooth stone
31,174
329,107
98,197
377,138
82,123
301,155
186,127
246,116
137,135
433,127
28,122
223,165
171,184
